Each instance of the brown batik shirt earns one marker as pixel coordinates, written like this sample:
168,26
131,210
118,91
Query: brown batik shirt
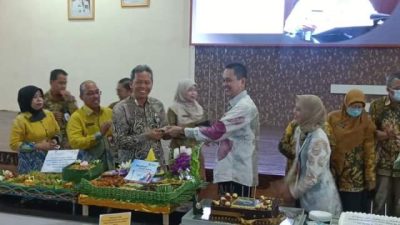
386,114
64,107
130,123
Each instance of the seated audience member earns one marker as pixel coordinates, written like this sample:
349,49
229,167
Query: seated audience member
186,112
60,101
89,127
353,160
385,113
237,134
287,143
124,90
34,131
138,119
310,179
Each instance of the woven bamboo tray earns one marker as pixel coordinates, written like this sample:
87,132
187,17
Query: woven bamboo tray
163,194
74,175
41,192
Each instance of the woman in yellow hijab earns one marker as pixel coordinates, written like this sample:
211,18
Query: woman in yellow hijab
353,161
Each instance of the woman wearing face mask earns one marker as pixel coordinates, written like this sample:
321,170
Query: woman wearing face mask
186,112
34,130
353,161
309,178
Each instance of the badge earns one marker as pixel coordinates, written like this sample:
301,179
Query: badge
66,117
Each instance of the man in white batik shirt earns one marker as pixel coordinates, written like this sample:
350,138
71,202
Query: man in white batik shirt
237,134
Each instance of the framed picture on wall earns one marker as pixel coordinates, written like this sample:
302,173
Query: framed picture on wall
135,3
80,9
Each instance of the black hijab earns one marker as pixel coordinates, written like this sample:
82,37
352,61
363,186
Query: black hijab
25,97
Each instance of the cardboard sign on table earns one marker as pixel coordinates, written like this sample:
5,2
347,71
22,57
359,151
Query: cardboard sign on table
56,160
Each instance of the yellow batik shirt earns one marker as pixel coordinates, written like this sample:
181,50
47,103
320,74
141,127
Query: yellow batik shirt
84,124
23,131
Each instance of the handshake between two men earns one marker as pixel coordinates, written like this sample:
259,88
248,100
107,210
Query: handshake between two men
166,132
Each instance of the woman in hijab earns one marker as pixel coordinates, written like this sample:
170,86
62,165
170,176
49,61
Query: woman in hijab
353,161
186,112
310,179
34,130
287,143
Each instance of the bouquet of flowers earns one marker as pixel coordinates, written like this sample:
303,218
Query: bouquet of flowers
181,164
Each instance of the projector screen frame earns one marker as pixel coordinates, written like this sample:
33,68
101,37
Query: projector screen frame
280,40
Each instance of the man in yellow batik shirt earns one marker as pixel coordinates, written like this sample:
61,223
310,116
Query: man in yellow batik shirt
89,127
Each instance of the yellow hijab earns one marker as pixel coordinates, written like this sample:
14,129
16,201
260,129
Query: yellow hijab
349,131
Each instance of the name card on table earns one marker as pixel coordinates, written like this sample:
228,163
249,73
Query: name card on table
56,160
115,219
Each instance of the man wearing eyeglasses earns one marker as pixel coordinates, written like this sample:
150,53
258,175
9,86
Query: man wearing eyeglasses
138,119
89,127
385,112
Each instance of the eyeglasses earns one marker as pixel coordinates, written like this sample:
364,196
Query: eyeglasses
92,93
